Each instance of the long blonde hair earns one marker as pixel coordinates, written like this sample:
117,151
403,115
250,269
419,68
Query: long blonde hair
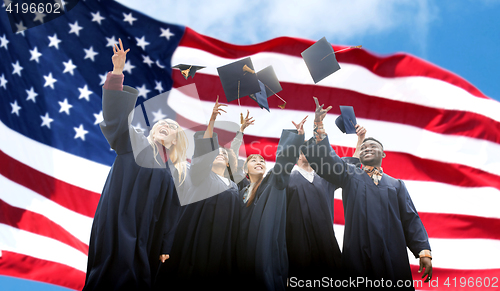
178,152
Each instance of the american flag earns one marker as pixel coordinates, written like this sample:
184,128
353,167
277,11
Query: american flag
440,133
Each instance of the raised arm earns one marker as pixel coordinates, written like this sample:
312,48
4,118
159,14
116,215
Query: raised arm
216,111
288,153
360,132
239,173
117,104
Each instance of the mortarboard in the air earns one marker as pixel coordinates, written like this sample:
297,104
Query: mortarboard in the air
320,60
238,79
187,70
346,122
269,85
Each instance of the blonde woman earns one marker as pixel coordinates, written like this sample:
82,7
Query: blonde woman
137,214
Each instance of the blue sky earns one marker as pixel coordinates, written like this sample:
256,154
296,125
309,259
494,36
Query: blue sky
461,36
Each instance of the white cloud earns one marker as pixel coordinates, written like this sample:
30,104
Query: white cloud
246,22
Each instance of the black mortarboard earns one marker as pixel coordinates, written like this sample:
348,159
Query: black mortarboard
261,97
346,122
320,60
238,79
269,85
188,70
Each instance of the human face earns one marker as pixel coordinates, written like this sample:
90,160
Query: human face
222,158
371,153
256,166
165,132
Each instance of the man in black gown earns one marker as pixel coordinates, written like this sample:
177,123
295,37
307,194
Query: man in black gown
380,218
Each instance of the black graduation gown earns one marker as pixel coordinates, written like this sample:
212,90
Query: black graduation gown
380,220
261,249
313,251
203,252
136,217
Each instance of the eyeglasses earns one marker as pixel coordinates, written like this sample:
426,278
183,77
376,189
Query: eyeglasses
172,126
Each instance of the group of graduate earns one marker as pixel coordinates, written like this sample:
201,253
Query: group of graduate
165,224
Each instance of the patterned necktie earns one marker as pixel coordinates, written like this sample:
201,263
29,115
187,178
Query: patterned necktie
374,172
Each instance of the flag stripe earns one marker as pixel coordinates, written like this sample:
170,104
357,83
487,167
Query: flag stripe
424,144
53,162
419,90
80,200
30,244
445,225
38,224
438,120
396,65
18,196
32,268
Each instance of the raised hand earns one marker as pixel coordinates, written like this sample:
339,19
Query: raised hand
360,132
119,58
300,125
320,113
216,111
246,122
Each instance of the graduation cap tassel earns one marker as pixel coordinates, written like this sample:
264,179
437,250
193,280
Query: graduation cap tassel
282,106
185,72
247,69
344,49
242,120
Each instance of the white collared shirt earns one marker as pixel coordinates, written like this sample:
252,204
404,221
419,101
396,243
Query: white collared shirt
309,176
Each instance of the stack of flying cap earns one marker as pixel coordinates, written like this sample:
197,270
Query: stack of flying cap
187,70
346,122
269,85
238,79
320,60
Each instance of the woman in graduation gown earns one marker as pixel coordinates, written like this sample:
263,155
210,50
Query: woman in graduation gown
137,214
313,250
261,250
203,254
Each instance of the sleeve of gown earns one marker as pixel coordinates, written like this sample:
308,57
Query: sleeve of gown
286,156
415,233
239,173
116,107
326,162
205,152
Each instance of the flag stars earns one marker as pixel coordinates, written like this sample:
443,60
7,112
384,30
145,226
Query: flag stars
49,81
166,33
65,106
17,68
4,42
111,41
35,55
90,53
98,118
31,94
80,132
75,28
39,16
20,28
69,67
143,91
54,41
129,18
103,78
46,120
147,60
142,42
158,115
159,87
128,67
96,17
3,82
85,93
15,108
